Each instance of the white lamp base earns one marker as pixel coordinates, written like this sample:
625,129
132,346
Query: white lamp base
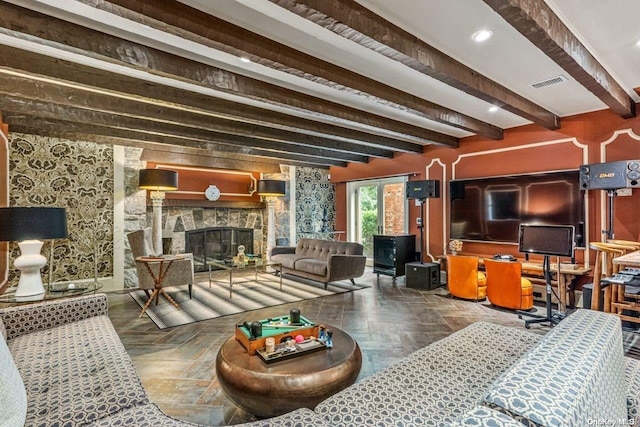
29,263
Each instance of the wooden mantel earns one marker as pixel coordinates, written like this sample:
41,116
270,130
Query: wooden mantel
188,203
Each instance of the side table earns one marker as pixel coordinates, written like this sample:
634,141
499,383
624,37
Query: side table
57,292
164,264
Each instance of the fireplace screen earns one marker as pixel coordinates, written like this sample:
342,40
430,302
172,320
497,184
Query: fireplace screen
216,245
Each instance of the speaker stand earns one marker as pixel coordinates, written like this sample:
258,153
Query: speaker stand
423,245
550,318
609,232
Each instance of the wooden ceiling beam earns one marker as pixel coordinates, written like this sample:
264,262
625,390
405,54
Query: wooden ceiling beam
48,31
38,125
354,22
18,87
538,23
192,24
204,160
38,67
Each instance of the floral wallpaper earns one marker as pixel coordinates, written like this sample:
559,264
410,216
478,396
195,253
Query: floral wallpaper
77,176
315,203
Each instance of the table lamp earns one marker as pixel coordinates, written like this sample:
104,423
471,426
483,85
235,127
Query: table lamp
270,189
158,181
27,226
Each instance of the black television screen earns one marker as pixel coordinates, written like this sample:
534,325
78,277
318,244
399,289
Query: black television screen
546,239
492,209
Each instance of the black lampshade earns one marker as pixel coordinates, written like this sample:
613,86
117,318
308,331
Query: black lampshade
158,179
20,224
271,187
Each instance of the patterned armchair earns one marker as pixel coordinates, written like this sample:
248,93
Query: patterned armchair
463,278
180,273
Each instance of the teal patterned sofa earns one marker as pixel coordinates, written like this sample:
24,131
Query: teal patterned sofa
63,364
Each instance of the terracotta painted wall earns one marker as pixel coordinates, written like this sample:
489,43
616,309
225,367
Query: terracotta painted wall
588,138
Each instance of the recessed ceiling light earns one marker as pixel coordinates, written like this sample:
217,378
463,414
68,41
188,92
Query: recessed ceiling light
638,43
493,109
481,35
244,59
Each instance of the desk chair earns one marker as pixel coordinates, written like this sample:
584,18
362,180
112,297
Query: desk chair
463,278
180,273
505,285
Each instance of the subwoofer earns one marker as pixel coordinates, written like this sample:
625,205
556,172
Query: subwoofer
422,276
610,176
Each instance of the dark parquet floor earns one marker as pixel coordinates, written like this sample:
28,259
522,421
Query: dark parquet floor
388,320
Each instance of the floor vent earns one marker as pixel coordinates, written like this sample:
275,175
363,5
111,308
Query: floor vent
549,82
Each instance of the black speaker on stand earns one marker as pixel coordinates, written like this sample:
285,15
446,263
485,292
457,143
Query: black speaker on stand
421,275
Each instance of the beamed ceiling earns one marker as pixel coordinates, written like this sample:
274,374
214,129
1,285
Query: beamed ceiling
251,84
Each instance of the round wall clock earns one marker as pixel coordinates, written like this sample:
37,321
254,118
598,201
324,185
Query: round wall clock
212,193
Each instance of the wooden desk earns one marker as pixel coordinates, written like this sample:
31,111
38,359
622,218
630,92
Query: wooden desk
534,272
618,305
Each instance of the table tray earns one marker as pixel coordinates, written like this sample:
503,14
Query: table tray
300,350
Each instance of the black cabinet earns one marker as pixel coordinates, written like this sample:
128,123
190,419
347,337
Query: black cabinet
392,252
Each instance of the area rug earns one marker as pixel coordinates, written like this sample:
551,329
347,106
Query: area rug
209,303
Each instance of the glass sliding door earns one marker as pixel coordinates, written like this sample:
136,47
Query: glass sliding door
376,207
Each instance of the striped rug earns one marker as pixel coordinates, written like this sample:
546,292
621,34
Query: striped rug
209,303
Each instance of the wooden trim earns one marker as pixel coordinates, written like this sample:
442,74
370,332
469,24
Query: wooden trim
185,203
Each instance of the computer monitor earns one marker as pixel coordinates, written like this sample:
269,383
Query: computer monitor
546,239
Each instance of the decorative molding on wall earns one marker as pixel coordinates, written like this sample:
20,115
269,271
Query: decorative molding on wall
604,145
444,198
574,141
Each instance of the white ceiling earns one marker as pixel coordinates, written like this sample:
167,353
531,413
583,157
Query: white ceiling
608,28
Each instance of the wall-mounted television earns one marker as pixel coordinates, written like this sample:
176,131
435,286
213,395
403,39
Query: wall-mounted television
492,209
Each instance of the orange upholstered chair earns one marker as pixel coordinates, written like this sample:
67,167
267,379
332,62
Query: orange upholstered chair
505,285
463,278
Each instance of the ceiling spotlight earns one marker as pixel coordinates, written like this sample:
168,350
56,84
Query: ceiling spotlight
638,43
481,35
244,59
493,109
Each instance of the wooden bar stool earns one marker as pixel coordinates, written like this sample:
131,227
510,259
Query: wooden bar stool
618,294
604,255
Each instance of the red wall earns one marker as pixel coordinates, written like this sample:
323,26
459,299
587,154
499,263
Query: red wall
236,186
526,149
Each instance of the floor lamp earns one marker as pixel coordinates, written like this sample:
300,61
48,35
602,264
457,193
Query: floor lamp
269,189
157,181
27,226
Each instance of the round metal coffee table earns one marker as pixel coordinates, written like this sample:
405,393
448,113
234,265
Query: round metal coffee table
275,389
